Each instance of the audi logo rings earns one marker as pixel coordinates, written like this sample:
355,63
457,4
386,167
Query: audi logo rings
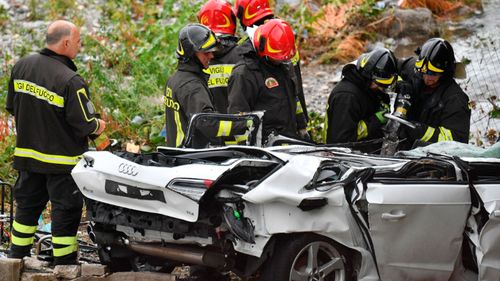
128,169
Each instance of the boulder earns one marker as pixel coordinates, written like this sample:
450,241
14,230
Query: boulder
67,271
412,23
33,263
94,269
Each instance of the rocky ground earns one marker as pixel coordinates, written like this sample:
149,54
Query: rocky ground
318,81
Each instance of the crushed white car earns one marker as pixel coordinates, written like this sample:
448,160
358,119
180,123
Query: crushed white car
295,213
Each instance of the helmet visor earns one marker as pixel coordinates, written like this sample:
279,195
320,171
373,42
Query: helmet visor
384,82
427,68
210,45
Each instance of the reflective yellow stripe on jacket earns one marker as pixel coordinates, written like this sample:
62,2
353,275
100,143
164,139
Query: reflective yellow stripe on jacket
428,134
180,133
324,134
362,130
47,158
224,128
444,134
299,109
39,92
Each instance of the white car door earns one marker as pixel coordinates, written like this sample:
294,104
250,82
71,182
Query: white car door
489,236
416,227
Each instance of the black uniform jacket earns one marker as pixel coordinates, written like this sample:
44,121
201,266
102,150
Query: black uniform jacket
53,113
294,73
351,109
220,69
186,94
444,111
258,85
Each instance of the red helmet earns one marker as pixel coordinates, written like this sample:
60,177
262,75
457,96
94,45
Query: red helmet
251,11
275,39
218,16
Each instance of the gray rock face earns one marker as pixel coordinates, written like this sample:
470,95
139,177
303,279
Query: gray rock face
413,23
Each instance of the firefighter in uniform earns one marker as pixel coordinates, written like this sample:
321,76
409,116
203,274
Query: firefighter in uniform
260,81
357,103
187,92
253,13
54,117
439,107
219,17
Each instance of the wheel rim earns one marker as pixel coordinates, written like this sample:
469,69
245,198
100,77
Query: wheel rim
318,261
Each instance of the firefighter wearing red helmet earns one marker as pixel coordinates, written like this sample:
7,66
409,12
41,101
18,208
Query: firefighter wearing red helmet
261,81
253,13
439,107
219,17
187,93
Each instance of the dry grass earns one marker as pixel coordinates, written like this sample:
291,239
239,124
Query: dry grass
334,39
438,7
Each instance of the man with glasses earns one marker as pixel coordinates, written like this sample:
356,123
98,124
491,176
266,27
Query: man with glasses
439,107
356,106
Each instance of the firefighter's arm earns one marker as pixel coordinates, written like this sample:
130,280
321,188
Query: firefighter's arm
9,105
375,122
344,119
300,115
454,126
80,111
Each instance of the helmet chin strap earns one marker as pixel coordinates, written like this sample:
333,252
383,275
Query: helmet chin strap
197,61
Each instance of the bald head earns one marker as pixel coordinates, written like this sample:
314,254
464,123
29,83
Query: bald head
63,37
58,30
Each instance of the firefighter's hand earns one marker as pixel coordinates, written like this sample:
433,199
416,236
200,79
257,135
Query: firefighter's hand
413,133
102,126
380,116
404,89
303,134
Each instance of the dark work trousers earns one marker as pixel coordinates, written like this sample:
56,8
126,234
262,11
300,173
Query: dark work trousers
32,191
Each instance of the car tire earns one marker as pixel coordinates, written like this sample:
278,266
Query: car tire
305,257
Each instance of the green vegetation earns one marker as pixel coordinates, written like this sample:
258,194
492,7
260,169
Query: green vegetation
126,62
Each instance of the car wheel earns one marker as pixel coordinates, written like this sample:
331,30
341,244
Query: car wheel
306,257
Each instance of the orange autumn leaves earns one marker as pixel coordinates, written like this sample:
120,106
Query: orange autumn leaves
339,34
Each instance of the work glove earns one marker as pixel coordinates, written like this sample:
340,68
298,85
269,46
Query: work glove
384,108
380,116
404,89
